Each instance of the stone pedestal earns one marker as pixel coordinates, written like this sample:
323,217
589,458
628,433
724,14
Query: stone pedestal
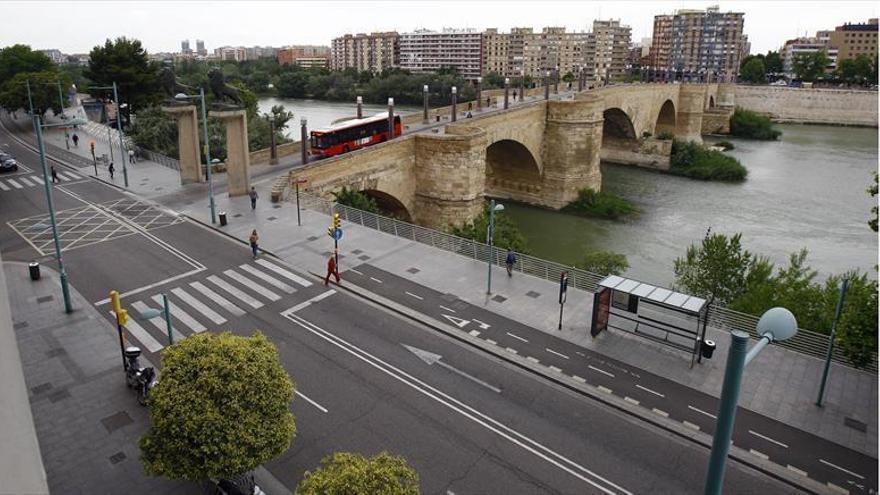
237,156
187,142
689,118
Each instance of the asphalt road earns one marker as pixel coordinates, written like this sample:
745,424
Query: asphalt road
467,422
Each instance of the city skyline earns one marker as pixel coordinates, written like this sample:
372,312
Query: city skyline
287,25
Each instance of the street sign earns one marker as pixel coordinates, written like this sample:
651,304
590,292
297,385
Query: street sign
337,234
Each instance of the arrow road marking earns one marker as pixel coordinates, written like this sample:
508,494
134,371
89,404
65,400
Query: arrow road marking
430,359
459,322
484,326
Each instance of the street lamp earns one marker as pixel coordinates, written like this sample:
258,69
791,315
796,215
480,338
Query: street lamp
490,232
118,128
425,104
775,324
207,149
479,93
150,313
506,91
273,151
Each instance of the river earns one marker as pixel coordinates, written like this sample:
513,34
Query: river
320,114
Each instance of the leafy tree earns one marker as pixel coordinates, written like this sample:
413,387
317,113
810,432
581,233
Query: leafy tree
292,84
754,71
604,263
493,80
773,63
873,192
506,234
694,160
857,328
18,59
154,130
44,91
356,199
345,473
281,116
717,269
125,62
809,66
568,77
220,409
856,70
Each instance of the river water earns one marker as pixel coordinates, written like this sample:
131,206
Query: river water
320,114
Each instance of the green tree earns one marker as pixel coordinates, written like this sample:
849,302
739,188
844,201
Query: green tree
604,263
19,59
717,269
154,130
356,199
857,328
754,71
873,192
44,91
345,473
493,80
773,63
292,84
809,66
281,116
748,124
568,77
220,409
125,62
506,234
590,203
856,70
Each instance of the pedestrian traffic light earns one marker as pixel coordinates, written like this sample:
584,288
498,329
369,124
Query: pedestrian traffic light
121,314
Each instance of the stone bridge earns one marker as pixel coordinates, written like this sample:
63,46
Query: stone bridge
540,153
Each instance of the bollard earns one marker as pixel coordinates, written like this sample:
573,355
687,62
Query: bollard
223,219
34,270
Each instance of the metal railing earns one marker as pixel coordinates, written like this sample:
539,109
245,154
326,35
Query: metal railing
165,161
805,341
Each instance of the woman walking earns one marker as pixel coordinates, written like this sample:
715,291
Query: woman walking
254,239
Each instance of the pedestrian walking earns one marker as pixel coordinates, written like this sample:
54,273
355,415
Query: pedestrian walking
111,169
75,140
54,175
254,240
332,269
488,101
253,194
511,259
131,157
514,95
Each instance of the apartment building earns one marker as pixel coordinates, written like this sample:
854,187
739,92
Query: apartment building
607,50
805,45
852,40
304,56
523,52
496,53
661,41
428,51
372,52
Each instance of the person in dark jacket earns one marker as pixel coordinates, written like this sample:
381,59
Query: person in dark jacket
510,261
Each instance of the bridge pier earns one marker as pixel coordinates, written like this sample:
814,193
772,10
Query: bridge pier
237,156
187,142
689,117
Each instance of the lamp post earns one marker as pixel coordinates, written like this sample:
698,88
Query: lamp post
775,324
304,140
479,93
522,87
490,231
118,128
547,85
454,102
150,313
273,151
296,183
425,104
390,118
209,164
840,297
360,105
506,92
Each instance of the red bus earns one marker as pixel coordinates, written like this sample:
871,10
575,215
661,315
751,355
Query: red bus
351,135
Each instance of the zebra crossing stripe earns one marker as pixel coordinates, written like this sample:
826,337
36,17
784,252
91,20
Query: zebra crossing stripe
217,298
181,315
25,181
141,335
68,175
198,305
285,273
158,322
250,301
15,184
268,278
38,180
4,186
259,289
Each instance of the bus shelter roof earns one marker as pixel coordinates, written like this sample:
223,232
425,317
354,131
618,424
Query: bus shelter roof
684,302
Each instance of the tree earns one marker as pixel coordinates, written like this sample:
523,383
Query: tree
873,192
604,263
125,63
809,66
856,70
44,91
754,71
221,408
154,130
292,84
345,473
506,234
356,199
18,59
281,116
568,77
857,328
773,63
717,269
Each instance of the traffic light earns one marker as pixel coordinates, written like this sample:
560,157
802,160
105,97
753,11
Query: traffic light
121,314
334,224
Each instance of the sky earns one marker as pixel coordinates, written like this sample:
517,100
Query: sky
76,27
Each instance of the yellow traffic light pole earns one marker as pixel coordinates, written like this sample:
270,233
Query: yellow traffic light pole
331,231
121,320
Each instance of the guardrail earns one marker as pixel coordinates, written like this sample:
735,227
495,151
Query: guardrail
805,341
165,161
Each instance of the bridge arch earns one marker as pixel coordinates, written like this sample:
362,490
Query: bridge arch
665,118
389,204
616,127
512,170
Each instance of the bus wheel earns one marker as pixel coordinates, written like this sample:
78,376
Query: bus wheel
345,149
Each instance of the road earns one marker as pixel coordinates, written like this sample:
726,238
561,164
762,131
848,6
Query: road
468,422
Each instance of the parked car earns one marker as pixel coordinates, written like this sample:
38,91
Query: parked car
8,165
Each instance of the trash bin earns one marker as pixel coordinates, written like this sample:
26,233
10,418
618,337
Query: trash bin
34,269
708,348
223,219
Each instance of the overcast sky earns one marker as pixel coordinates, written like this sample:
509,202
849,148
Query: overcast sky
75,27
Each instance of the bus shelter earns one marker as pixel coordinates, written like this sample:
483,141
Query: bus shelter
664,316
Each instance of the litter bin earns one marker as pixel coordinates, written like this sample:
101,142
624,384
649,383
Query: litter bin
223,219
34,269
708,348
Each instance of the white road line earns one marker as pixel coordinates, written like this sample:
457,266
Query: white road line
158,322
759,454
25,181
578,379
517,337
646,389
217,298
551,351
482,324
285,273
579,353
631,400
661,412
474,333
235,292
4,186
534,360
72,175
198,305
511,350
598,370
554,368
355,271
309,302
490,341
182,315
777,442
447,309
420,298
796,470
310,401
268,278
691,425
847,471
604,389
374,279
38,180
692,408
14,184
250,284
141,335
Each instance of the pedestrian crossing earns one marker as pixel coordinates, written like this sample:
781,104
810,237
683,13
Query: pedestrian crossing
205,304
23,181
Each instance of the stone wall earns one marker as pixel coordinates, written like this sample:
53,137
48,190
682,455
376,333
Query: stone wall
717,120
810,106
646,153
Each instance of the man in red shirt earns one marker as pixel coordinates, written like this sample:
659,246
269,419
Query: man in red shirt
332,269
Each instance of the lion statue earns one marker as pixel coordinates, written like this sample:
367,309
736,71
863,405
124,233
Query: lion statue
222,91
171,85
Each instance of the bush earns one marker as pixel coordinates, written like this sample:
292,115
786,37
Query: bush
727,145
506,234
356,199
345,473
665,136
695,161
750,125
604,263
590,203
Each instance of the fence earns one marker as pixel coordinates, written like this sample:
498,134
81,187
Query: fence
165,161
805,341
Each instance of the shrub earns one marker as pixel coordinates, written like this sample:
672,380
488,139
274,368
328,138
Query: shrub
356,199
750,125
695,161
345,473
604,263
600,204
665,136
506,234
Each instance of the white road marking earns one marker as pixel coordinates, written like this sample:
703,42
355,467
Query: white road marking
598,370
796,470
661,412
517,337
410,294
777,442
604,389
551,351
692,408
268,278
374,279
554,368
356,271
579,353
759,454
646,389
578,379
25,181
459,322
484,326
181,315
691,425
447,309
511,350
490,341
198,305
141,335
491,424
38,180
310,401
534,360
285,273
250,284
4,186
217,298
303,304
235,292
838,489
159,321
631,400
14,184
431,358
847,471
71,175
474,333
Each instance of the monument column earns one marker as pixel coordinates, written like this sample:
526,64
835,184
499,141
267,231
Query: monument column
689,118
187,142
237,153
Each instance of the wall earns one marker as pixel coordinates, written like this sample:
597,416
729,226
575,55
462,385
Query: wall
810,106
717,121
645,153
